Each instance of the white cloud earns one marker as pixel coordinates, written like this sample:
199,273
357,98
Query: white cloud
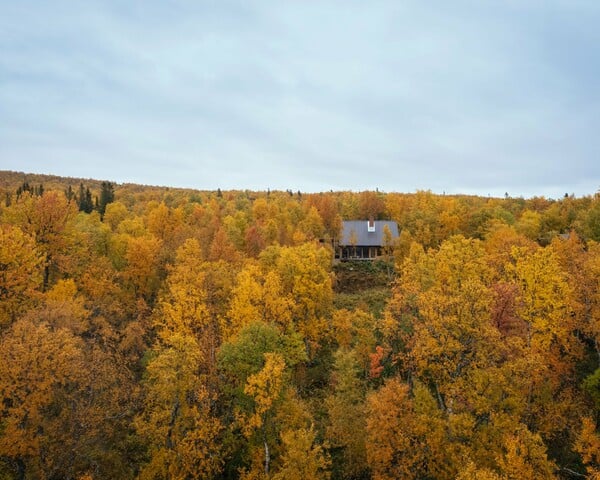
481,98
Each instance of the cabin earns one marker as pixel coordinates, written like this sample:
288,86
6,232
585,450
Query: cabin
364,239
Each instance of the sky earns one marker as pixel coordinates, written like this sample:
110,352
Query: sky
478,97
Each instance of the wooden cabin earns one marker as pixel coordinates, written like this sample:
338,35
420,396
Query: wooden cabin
364,239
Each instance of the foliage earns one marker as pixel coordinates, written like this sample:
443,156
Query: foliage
165,333
20,273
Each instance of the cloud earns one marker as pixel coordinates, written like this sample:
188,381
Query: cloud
482,98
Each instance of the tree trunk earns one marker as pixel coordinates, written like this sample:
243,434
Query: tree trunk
20,469
267,454
174,414
46,276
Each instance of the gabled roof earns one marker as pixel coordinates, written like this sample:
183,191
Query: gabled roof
363,236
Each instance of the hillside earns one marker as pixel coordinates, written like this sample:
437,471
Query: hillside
153,332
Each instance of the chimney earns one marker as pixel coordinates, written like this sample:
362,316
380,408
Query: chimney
371,225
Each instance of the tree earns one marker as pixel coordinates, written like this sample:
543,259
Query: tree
303,458
243,355
524,457
142,273
588,446
581,263
408,435
458,336
256,366
183,306
346,426
312,225
265,388
545,305
471,472
195,300
20,273
591,220
371,205
328,212
46,219
63,308
258,296
114,214
390,419
356,330
221,248
253,241
388,243
544,296
451,330
107,195
84,199
69,193
38,370
177,422
529,224
304,273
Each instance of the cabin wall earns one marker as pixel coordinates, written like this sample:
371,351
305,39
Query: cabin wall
358,252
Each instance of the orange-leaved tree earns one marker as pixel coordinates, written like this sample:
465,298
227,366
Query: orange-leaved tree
20,273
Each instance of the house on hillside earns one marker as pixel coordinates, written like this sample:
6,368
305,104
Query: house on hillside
365,239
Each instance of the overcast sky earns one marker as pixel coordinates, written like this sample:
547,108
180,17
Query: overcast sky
481,97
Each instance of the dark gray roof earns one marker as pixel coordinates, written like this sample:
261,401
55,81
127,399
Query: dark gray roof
363,236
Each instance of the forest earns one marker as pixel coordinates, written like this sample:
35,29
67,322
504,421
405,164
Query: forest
163,333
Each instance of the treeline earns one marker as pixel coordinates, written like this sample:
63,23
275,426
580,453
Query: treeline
190,334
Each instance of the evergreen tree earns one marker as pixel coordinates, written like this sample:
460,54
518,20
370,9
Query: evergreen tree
69,193
84,199
25,187
107,195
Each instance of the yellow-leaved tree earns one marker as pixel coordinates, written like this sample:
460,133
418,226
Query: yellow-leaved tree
306,282
588,446
194,301
468,370
303,458
40,369
20,273
142,271
177,421
265,388
183,306
346,425
545,303
46,218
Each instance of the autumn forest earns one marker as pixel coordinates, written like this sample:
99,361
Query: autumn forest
161,333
